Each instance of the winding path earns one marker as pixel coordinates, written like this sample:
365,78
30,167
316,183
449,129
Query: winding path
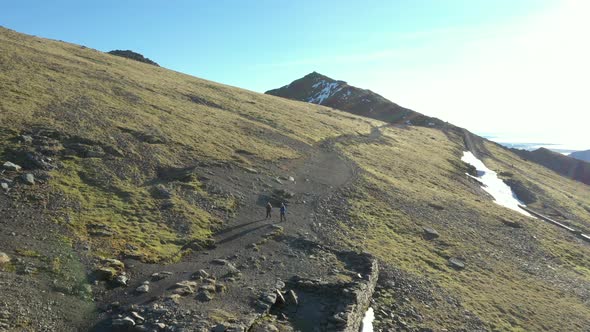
322,171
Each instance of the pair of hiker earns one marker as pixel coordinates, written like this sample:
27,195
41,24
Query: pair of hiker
283,210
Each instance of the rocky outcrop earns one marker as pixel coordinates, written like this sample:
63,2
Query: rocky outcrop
133,56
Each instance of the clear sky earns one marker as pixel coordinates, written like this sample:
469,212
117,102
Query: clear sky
513,68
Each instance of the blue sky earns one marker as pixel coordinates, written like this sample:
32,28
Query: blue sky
472,62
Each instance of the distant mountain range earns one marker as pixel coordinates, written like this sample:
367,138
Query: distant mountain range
581,155
320,89
570,167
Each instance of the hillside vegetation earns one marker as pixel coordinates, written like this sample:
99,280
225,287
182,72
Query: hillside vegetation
144,120
529,277
144,164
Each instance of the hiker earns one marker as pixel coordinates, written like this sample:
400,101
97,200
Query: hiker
268,210
283,212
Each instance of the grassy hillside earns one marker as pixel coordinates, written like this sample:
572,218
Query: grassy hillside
145,119
133,146
535,277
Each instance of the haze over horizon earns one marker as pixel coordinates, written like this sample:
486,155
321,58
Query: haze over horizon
507,69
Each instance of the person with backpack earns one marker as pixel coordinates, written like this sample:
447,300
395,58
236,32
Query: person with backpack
268,210
283,212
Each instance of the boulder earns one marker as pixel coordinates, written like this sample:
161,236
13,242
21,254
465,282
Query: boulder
121,280
456,263
430,233
143,289
29,179
160,275
11,166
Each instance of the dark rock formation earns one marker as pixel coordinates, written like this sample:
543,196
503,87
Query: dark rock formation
133,56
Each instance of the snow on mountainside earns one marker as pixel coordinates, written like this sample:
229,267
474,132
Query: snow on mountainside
328,90
319,89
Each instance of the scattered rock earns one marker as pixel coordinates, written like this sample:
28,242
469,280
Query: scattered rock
4,258
251,170
87,151
137,316
29,179
121,280
219,261
5,186
26,139
185,287
436,206
269,297
160,275
11,166
232,271
123,322
200,274
143,289
430,233
456,263
161,192
510,223
204,296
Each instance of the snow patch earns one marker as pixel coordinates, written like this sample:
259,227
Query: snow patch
502,193
367,324
328,90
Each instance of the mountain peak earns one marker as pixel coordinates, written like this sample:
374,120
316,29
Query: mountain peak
320,89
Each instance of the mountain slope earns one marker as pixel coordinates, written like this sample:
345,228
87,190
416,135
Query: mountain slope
567,166
319,89
148,198
581,155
